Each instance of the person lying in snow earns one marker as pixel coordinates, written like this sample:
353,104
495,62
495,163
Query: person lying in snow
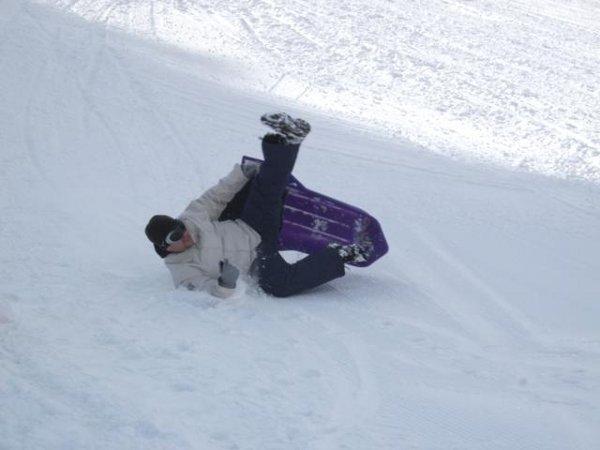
202,252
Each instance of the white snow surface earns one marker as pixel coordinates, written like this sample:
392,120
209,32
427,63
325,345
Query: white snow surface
479,329
510,82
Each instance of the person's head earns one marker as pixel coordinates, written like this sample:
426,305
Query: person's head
168,235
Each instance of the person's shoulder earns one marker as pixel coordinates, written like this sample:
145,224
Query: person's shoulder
194,215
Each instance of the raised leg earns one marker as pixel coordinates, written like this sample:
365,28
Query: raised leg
263,207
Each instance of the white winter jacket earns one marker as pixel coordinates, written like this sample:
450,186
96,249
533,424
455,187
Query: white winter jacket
198,266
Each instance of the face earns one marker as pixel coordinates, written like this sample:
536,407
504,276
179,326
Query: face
181,245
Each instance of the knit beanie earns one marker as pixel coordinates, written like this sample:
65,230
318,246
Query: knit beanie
157,229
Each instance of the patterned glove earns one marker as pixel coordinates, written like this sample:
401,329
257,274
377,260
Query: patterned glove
229,275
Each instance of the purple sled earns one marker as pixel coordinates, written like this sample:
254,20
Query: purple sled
312,220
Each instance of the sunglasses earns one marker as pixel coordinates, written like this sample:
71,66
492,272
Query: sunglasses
174,235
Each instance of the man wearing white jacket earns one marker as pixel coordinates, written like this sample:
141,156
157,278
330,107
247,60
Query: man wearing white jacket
202,252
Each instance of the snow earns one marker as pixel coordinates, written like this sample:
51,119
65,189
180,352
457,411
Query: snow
509,82
478,329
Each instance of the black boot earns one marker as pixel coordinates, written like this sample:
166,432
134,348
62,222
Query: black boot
293,130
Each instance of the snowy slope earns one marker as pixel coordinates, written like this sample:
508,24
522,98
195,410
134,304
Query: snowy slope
510,82
478,329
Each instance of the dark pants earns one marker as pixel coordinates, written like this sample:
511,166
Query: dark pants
263,210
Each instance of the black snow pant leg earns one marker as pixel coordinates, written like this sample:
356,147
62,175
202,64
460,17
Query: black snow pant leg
264,204
281,279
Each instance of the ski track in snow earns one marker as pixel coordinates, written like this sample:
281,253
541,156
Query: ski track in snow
478,329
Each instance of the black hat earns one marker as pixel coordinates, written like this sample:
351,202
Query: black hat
157,229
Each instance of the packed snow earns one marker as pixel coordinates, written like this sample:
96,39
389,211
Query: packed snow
443,119
509,82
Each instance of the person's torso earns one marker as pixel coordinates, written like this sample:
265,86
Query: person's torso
214,242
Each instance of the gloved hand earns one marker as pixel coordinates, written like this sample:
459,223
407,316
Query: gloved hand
229,274
250,169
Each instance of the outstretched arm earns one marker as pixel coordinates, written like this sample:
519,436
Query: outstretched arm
214,201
